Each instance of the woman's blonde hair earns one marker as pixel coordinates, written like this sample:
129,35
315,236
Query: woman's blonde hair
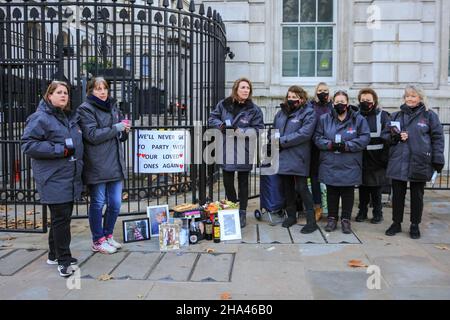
234,90
94,83
417,89
52,87
321,84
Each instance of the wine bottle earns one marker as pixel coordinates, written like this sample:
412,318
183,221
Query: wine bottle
216,229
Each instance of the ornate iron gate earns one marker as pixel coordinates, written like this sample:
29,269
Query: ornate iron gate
166,67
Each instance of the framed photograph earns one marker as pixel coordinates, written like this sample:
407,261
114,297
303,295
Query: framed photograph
169,236
230,226
157,215
136,230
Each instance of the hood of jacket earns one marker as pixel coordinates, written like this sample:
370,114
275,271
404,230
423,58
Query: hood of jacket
106,106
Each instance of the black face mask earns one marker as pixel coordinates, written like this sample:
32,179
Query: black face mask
293,103
340,108
323,97
365,106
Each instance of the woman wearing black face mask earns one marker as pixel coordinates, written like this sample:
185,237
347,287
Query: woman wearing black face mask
296,123
341,137
375,157
322,104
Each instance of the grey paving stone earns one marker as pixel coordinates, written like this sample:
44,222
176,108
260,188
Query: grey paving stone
434,231
136,266
273,234
4,252
174,267
249,235
298,237
213,268
409,271
100,264
345,285
338,237
420,293
17,260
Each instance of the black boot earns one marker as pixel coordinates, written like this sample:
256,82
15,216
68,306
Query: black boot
331,225
311,224
346,226
290,220
361,217
414,231
377,218
394,229
243,218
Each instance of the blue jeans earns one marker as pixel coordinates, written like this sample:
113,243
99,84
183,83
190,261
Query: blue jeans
109,193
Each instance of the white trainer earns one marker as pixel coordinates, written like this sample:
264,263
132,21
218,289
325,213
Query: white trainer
103,247
113,242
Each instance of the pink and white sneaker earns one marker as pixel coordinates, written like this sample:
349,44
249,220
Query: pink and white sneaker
103,246
112,242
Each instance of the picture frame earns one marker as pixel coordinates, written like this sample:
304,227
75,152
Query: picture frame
169,236
136,230
157,215
230,226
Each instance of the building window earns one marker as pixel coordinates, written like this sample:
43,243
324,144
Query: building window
127,61
308,32
145,65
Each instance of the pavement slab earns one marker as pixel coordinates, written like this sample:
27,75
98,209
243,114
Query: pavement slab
174,266
17,260
312,238
273,234
100,264
136,266
213,268
343,285
249,234
409,271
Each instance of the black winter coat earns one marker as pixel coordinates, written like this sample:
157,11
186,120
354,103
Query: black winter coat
412,160
58,180
342,169
375,160
319,110
244,117
296,130
104,155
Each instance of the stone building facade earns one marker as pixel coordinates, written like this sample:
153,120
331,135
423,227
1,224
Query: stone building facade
350,44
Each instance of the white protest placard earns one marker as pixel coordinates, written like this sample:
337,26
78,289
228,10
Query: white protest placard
161,151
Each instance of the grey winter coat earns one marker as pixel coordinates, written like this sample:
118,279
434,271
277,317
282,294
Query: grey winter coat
342,169
58,180
104,154
247,116
296,130
374,159
412,160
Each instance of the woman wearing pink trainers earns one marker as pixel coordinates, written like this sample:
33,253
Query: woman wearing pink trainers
103,133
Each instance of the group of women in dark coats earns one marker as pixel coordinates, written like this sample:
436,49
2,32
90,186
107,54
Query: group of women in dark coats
343,146
65,146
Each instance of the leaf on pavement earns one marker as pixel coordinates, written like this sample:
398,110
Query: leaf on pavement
225,296
357,264
209,250
105,277
442,247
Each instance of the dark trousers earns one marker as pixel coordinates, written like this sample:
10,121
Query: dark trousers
292,185
398,200
316,192
59,235
230,191
365,193
334,194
